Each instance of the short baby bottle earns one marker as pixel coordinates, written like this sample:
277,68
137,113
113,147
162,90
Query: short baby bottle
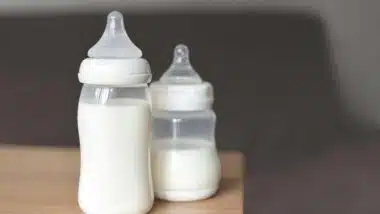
185,162
114,125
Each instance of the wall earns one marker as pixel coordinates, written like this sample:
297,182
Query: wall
354,33
271,65
255,97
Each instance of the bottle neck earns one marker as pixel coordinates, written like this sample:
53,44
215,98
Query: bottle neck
114,71
103,94
178,104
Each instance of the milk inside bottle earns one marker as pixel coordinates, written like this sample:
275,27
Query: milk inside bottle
114,125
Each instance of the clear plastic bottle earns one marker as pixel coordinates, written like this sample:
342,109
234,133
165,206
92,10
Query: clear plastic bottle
114,125
185,162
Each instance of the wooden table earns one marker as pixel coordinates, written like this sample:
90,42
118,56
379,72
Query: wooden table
42,180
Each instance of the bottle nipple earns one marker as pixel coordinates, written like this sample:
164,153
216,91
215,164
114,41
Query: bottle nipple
115,42
181,71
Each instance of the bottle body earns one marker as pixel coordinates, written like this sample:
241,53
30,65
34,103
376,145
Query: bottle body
185,162
114,125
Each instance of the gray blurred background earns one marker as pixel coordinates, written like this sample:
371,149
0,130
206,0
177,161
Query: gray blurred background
296,85
279,67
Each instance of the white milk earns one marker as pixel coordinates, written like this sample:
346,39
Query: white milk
185,169
115,163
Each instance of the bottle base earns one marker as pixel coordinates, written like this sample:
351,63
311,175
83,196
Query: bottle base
124,213
141,211
185,195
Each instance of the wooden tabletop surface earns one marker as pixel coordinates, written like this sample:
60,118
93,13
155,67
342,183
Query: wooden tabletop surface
43,180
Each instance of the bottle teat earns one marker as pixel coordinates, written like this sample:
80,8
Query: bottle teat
181,71
115,42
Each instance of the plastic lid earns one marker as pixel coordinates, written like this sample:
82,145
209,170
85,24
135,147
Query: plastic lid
114,59
181,88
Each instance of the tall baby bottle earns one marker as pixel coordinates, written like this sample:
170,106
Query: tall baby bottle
185,162
114,124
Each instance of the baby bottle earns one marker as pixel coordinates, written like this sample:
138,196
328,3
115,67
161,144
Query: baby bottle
114,125
185,162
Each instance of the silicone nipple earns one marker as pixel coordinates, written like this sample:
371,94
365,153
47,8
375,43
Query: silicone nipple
114,42
181,71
